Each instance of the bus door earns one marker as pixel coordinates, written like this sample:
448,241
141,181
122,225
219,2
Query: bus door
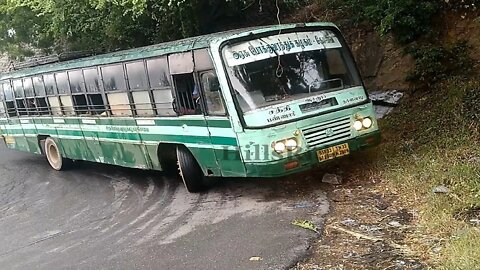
191,128
221,132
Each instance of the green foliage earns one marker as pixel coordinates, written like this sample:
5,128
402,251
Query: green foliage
435,63
108,25
406,19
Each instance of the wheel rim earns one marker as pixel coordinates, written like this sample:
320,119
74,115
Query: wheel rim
53,153
53,156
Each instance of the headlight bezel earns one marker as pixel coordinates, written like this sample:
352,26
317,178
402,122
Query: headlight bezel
289,145
363,123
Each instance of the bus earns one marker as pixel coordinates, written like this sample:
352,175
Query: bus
259,102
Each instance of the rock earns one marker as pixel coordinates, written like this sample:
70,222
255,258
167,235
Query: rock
333,179
475,222
395,224
303,205
440,189
436,250
385,102
371,228
380,203
349,222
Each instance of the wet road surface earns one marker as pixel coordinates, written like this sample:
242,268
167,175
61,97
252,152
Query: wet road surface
105,217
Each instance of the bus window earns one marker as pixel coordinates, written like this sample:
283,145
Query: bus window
113,78
137,76
77,85
96,104
158,73
188,94
38,86
21,108
138,84
67,105
92,81
62,83
163,102
42,106
2,107
55,106
95,101
40,99
18,89
213,97
28,87
81,106
119,104
50,85
9,99
143,104
29,93
159,77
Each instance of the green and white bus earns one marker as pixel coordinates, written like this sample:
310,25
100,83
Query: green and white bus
256,102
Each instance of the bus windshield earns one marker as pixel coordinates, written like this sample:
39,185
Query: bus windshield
286,67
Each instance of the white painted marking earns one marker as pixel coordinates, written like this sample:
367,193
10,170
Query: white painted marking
58,121
144,122
89,121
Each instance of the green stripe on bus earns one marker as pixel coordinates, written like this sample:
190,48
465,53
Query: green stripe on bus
217,140
217,123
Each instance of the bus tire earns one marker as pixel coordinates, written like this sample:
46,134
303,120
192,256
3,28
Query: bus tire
190,171
54,157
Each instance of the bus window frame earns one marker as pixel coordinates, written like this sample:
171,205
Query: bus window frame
11,112
199,56
101,91
24,110
126,90
170,87
146,89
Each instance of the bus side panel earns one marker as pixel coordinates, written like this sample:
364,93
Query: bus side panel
30,131
206,159
151,151
93,151
16,131
72,141
123,146
230,162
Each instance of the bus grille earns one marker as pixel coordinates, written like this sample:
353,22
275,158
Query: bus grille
329,132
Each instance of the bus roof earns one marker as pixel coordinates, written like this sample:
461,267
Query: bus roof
160,49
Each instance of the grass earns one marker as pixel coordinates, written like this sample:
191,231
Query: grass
431,140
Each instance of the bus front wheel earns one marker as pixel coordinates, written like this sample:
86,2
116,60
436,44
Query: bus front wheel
190,171
54,157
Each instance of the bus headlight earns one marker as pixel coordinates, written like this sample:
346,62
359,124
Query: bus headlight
358,125
283,146
362,123
280,147
291,144
367,122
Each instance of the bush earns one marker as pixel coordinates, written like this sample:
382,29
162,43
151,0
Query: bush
435,63
406,19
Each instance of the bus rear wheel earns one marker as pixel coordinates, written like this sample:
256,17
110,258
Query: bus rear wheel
54,157
190,171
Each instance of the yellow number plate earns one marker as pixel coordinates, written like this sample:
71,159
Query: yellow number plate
333,152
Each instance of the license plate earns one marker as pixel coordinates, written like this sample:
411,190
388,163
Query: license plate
333,152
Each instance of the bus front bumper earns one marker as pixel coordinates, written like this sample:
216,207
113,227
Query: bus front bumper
306,160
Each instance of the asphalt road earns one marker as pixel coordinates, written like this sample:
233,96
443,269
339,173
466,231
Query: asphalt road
104,217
